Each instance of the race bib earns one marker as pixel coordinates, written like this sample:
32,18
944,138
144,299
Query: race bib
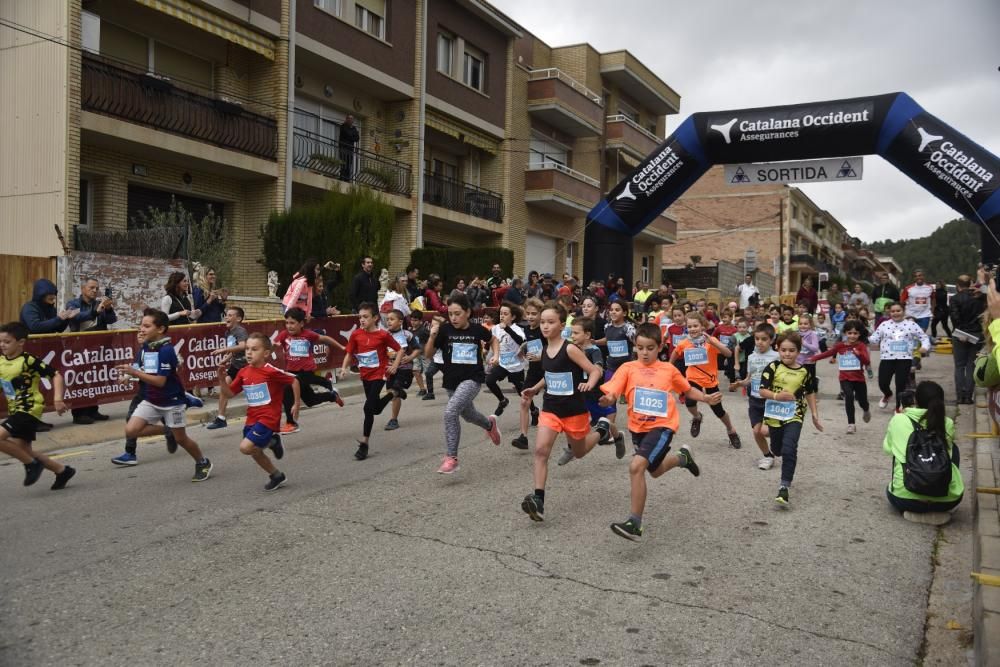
617,348
755,385
400,337
151,362
257,394
725,340
508,359
230,341
534,347
464,353
677,338
665,321
8,389
921,300
367,359
780,410
559,384
299,347
567,332
848,362
438,357
695,356
899,346
652,402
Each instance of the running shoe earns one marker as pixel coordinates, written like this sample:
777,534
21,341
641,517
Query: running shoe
928,518
32,471
916,363
62,478
202,471
192,401
494,430
501,406
884,401
851,429
867,416
171,441
428,397
449,465
391,425
840,396
276,447
628,530
288,429
782,497
534,507
734,440
335,397
620,445
218,422
422,392
276,481
691,466
696,426
765,463
566,457
125,459
520,442
362,453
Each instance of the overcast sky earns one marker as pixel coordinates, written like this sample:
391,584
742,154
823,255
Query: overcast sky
722,54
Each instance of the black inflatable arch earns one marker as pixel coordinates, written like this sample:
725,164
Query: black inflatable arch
948,164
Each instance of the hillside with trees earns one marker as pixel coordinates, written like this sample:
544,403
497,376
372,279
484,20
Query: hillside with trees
951,250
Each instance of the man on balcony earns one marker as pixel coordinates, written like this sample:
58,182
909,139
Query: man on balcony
349,137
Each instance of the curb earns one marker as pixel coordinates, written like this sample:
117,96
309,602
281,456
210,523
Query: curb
986,542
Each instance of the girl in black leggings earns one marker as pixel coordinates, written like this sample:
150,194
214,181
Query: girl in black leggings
506,355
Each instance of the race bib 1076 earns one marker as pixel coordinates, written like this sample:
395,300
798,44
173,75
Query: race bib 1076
559,384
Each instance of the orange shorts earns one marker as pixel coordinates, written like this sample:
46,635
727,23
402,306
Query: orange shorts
576,427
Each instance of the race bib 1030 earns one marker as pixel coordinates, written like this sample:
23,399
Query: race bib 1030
695,356
257,394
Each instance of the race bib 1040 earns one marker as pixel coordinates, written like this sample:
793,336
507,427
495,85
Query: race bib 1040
652,402
695,356
617,348
257,394
780,410
559,384
464,353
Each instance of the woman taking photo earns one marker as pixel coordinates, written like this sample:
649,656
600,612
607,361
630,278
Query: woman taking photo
300,292
177,302
210,300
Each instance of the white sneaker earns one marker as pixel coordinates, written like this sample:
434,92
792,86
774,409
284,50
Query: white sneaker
851,429
566,457
882,402
765,462
929,518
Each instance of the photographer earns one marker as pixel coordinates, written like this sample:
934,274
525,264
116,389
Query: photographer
209,300
477,292
966,310
93,315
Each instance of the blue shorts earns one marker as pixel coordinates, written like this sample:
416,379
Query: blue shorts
755,406
596,411
653,445
258,434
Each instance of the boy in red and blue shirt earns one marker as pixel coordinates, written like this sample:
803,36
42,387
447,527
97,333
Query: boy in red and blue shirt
297,343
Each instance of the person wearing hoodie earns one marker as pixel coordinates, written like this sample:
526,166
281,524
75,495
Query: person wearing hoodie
40,314
95,314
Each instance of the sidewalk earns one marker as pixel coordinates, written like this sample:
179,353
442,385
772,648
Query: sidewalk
986,542
66,434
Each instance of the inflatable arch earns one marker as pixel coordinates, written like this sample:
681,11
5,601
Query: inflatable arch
948,164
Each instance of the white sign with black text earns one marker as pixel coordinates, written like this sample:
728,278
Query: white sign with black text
801,171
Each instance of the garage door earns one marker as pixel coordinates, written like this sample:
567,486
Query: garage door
539,253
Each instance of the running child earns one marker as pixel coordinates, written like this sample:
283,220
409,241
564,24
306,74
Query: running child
896,338
401,380
297,343
461,343
264,385
648,386
786,387
810,344
701,354
852,357
788,322
419,328
533,355
725,332
762,356
563,407
236,340
20,374
619,333
675,333
742,334
505,355
369,346
161,390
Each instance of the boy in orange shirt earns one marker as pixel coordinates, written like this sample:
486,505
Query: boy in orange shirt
700,352
649,386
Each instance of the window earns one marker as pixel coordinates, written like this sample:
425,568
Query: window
318,119
446,53
541,151
369,19
331,6
445,169
156,57
90,32
644,272
124,45
181,66
474,71
570,256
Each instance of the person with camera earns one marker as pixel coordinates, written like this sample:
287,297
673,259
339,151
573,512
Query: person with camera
93,314
966,310
210,300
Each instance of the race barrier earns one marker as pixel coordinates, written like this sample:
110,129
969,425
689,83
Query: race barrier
938,157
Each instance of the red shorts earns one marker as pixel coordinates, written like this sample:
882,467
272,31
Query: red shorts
576,427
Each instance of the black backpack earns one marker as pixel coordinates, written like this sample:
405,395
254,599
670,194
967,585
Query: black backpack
927,469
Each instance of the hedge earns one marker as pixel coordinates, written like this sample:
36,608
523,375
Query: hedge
339,227
450,263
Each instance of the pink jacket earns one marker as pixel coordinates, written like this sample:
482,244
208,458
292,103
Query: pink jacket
299,295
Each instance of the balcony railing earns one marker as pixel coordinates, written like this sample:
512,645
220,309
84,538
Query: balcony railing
549,164
155,102
330,158
464,197
555,73
620,118
802,258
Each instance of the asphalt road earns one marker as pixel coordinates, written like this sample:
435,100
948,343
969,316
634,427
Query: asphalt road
386,562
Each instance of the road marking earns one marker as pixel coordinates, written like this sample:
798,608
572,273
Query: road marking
69,454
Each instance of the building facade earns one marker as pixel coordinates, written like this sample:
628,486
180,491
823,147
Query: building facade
476,132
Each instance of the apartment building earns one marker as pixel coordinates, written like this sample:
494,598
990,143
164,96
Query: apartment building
791,236
493,138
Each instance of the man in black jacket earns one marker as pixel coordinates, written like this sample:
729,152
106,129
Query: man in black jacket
349,137
364,287
967,308
883,293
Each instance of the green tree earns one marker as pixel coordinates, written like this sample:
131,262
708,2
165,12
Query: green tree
949,251
207,243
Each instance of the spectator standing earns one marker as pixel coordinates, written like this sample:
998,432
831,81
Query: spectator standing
302,289
93,315
496,280
432,296
967,308
209,300
549,291
349,137
364,287
177,302
533,290
477,293
941,310
395,298
883,294
746,291
40,314
807,294
858,298
413,283
515,294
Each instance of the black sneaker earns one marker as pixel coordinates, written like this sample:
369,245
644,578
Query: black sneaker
217,423
277,480
100,416
534,507
534,417
627,530
202,471
428,397
520,442
362,452
782,497
171,441
501,406
696,426
734,440
603,428
83,419
691,466
620,445
62,478
32,471
277,447
422,392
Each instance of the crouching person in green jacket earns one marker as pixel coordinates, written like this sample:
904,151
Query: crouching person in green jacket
926,486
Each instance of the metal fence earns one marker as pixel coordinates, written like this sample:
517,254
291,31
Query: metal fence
464,197
330,158
160,242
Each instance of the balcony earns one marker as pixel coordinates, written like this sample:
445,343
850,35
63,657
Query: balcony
559,189
328,158
456,195
626,135
635,79
806,263
155,102
663,229
564,103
